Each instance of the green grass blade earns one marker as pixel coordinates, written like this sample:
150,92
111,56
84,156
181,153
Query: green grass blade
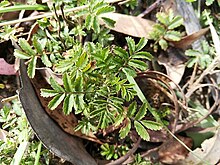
37,157
19,153
23,7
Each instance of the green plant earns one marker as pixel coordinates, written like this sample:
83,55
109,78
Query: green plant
95,84
112,151
203,58
138,160
165,30
19,146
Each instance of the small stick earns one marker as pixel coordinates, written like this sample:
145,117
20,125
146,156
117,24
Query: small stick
150,8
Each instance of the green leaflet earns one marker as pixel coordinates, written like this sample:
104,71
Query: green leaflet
141,44
96,26
37,45
21,55
142,112
79,84
89,21
31,67
48,93
163,18
176,22
108,21
209,2
142,55
192,53
137,64
126,129
82,60
105,9
26,47
132,109
172,36
163,44
152,125
68,104
67,83
56,101
131,45
121,52
46,60
142,132
56,86
130,71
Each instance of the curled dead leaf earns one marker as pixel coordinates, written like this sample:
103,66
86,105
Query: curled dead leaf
209,153
174,64
187,41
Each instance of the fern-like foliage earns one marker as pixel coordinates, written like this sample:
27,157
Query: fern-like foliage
203,58
94,83
164,31
31,54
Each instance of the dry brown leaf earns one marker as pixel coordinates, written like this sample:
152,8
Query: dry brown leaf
187,41
171,152
209,153
174,64
130,25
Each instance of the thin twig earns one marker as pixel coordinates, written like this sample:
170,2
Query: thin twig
192,78
151,7
204,73
50,14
